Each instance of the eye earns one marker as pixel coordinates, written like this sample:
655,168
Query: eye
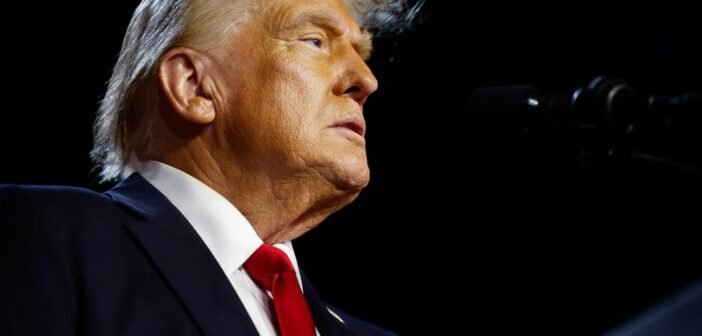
316,42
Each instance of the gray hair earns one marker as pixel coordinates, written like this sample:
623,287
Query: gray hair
126,116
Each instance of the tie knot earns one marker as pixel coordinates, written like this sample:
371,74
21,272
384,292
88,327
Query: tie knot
266,264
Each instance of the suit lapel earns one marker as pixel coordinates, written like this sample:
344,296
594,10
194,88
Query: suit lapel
183,259
327,322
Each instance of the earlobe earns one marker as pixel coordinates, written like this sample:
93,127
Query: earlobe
181,76
200,110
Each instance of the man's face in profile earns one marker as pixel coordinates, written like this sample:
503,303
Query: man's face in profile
294,80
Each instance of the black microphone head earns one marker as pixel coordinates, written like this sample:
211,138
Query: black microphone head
608,105
518,105
604,105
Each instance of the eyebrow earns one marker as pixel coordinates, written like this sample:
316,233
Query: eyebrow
364,47
327,21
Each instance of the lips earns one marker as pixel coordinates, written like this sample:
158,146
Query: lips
353,123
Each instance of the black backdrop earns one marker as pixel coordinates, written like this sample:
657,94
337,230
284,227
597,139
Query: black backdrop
464,229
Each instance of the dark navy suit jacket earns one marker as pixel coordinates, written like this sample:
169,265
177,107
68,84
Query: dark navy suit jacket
124,262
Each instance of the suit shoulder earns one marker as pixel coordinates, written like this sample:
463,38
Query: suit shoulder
37,201
38,188
15,193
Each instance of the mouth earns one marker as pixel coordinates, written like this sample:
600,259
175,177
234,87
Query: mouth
354,124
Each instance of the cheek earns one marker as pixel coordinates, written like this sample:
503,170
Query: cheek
294,92
303,76
299,94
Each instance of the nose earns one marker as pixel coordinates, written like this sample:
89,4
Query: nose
357,80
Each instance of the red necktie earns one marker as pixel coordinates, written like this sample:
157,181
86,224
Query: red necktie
273,271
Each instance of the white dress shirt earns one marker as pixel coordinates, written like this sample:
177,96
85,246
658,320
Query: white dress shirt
225,231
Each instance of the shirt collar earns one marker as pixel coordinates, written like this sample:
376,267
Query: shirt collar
226,232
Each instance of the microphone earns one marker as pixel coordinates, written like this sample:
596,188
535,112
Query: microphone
605,120
604,106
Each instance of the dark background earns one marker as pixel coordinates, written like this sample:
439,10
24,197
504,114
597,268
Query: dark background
466,228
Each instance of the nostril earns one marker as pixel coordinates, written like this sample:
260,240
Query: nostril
356,94
353,89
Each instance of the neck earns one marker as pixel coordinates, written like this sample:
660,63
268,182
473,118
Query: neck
280,207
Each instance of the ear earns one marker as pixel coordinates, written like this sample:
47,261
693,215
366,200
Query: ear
181,75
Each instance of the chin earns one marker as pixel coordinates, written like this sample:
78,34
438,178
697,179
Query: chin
359,182
353,180
352,172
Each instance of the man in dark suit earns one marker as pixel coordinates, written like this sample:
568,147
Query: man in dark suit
234,127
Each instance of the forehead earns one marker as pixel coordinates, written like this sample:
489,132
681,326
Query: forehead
286,14
282,16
